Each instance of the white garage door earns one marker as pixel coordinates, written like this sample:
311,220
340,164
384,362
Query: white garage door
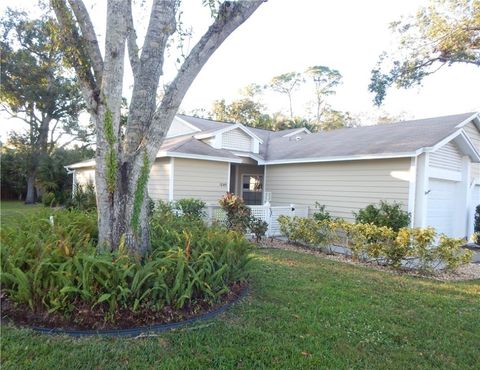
475,196
441,206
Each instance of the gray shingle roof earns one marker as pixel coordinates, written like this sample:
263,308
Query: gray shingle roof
190,145
394,138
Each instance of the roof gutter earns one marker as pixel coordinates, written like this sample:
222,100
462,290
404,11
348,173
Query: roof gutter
341,158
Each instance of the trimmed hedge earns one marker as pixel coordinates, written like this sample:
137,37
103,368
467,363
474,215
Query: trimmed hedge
381,243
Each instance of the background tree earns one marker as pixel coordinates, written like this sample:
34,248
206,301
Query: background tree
444,33
123,162
325,79
13,179
286,84
332,120
36,89
247,110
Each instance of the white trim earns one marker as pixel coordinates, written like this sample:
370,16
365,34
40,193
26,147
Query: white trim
80,165
465,144
248,155
229,128
473,117
461,139
443,174
304,129
229,169
411,189
340,158
195,128
171,178
237,179
422,190
74,181
197,156
264,183
253,175
440,143
464,194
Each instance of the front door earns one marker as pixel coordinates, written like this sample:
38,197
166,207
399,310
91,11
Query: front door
252,189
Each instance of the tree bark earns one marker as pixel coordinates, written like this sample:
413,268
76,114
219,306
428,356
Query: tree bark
30,197
123,165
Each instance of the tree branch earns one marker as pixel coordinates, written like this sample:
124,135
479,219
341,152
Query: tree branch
72,44
230,16
88,33
161,26
132,41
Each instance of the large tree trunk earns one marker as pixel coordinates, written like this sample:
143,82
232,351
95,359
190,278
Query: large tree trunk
123,164
30,197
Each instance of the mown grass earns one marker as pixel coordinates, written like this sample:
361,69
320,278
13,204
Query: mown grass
12,211
302,312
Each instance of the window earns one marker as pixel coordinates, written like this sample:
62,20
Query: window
252,189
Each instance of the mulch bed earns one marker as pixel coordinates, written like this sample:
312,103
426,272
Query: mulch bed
99,318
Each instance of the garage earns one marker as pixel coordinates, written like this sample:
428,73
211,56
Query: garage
441,206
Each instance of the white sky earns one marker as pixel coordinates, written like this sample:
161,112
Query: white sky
287,35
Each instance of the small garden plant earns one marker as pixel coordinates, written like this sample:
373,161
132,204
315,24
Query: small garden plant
240,218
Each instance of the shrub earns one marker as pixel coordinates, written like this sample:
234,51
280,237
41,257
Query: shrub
451,253
238,214
307,231
191,208
476,225
368,240
57,267
48,199
258,227
385,214
380,243
83,198
321,214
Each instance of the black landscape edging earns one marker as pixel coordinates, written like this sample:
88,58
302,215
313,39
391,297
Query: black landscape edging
133,332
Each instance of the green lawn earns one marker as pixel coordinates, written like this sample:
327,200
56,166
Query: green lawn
303,312
13,210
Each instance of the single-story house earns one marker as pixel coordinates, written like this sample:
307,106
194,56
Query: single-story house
431,166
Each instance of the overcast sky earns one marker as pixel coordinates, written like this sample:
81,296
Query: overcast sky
287,35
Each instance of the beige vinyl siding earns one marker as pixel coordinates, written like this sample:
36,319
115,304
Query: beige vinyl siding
158,181
448,157
237,140
474,135
205,180
85,176
475,171
342,186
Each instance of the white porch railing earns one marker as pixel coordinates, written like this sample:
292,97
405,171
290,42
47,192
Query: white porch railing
266,213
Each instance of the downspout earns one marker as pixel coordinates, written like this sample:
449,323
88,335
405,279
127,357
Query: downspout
71,172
